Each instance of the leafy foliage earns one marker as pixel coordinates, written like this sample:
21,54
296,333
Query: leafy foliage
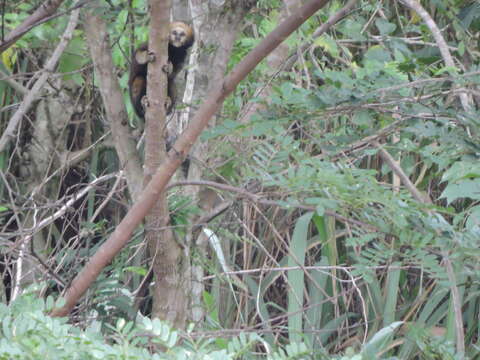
29,333
337,258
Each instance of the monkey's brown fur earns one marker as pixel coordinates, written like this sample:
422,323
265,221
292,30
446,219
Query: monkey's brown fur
180,39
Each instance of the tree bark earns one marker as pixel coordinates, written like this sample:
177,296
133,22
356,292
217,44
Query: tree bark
216,28
169,291
99,45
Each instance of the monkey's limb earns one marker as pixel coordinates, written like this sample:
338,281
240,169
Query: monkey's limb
168,68
145,103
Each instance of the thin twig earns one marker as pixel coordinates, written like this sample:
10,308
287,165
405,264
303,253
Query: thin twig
442,44
28,233
13,84
401,174
259,199
45,12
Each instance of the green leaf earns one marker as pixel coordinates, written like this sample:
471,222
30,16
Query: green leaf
296,257
377,54
452,70
461,48
353,29
385,27
462,170
73,58
379,341
362,118
120,324
136,270
462,189
328,44
392,290
211,306
473,219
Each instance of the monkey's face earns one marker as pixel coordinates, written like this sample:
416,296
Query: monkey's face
178,36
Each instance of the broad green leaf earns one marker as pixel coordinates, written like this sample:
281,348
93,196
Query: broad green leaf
392,291
296,257
385,27
380,341
462,189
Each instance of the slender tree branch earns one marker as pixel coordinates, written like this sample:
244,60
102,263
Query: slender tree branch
212,214
44,13
46,9
442,44
67,206
99,46
366,141
400,173
13,84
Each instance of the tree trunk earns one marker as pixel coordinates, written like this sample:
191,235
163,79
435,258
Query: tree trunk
216,28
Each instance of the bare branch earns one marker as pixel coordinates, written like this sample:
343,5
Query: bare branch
442,44
399,172
97,39
15,85
45,10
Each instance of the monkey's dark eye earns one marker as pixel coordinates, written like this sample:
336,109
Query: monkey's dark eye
174,32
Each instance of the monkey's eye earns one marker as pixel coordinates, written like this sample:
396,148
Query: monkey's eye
174,32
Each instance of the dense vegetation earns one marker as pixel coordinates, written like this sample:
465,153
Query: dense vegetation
336,211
